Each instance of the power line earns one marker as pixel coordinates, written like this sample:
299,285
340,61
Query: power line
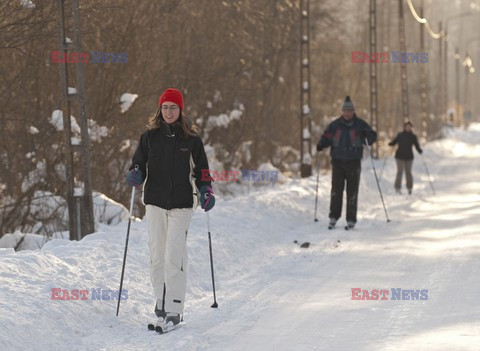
423,21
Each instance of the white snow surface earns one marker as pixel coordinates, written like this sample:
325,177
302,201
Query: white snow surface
272,294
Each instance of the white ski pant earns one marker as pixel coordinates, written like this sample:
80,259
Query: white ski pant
167,240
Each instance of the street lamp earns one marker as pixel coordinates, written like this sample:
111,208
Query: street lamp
457,84
469,69
445,36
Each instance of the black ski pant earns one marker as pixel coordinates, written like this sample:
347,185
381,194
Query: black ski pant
345,171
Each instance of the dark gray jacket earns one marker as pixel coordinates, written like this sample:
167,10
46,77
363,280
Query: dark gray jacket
405,140
347,139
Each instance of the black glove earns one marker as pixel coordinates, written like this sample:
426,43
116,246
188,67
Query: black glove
319,147
363,134
134,177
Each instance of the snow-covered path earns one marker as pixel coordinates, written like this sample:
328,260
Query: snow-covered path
433,243
272,294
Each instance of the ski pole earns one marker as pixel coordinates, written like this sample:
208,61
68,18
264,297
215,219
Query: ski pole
428,173
376,178
383,167
315,219
126,246
215,304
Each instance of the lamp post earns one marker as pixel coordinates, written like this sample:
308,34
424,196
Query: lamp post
457,83
471,70
445,72
423,83
305,96
468,64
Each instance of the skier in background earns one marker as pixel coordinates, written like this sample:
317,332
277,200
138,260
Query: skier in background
346,136
170,157
404,156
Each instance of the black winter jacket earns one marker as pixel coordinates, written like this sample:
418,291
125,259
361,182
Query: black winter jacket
345,138
164,157
405,141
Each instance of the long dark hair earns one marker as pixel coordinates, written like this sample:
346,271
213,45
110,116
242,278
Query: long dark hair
188,128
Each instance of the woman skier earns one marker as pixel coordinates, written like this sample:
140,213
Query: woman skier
404,155
169,159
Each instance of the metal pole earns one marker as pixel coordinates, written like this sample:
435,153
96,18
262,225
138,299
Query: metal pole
465,91
373,72
428,174
78,200
403,65
316,190
423,82
445,78
440,79
126,247
85,225
215,304
378,183
457,82
67,130
305,89
88,224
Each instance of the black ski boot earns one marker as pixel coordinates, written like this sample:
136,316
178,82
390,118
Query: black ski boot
171,322
331,223
350,225
161,314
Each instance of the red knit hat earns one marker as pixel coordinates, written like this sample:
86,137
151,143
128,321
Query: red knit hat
171,95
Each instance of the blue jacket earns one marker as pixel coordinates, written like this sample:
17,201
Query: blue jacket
346,139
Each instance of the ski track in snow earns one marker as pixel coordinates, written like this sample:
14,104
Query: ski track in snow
272,294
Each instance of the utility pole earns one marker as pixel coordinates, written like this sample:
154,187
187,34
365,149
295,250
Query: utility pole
403,64
467,63
423,81
457,84
79,196
441,106
445,73
305,96
373,73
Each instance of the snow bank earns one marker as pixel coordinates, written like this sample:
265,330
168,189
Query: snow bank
52,215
